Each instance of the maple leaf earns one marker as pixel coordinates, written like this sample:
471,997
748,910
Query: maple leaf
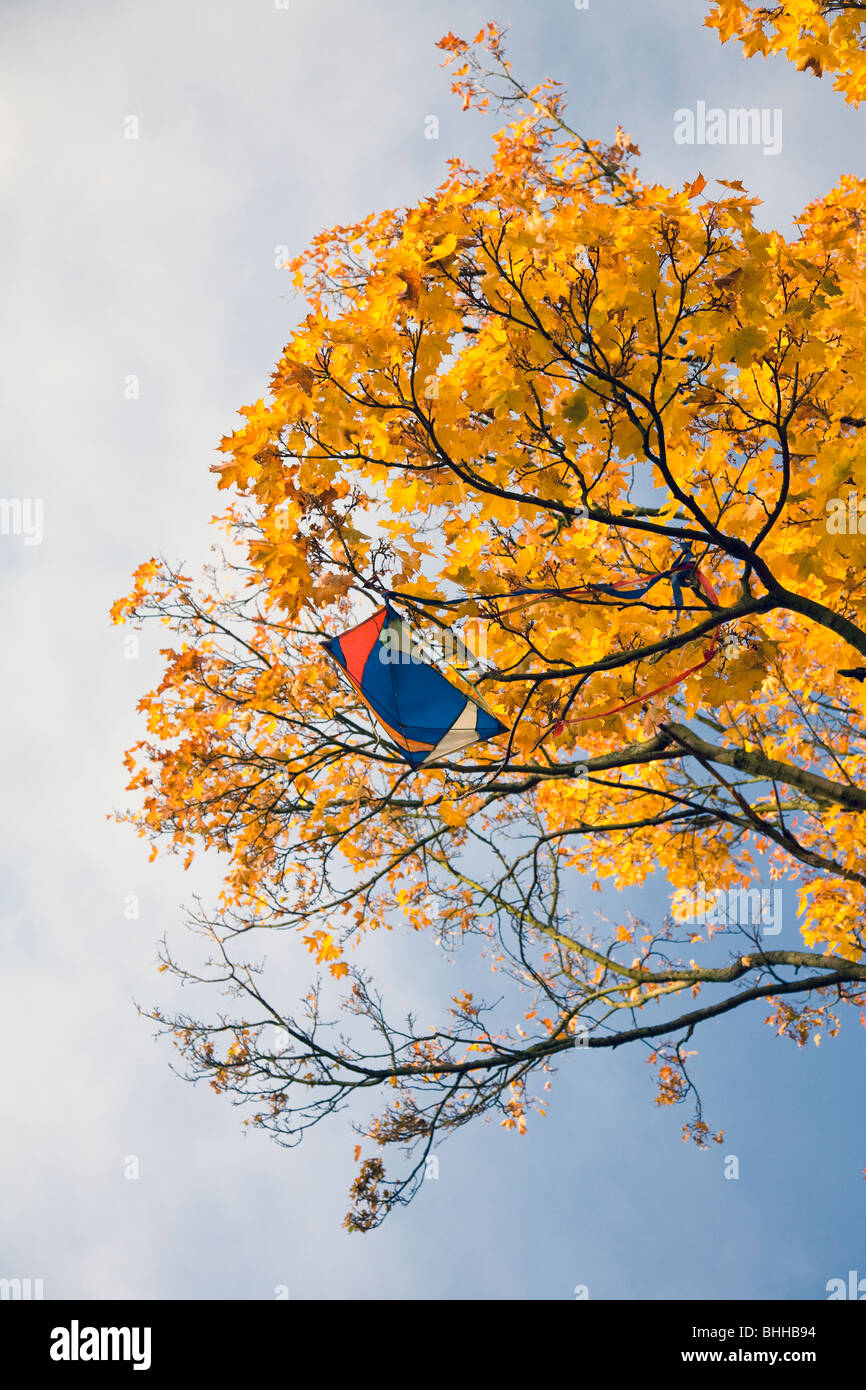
812,64
816,37
411,293
693,189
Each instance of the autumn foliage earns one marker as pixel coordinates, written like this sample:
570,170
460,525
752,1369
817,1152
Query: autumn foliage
545,374
818,36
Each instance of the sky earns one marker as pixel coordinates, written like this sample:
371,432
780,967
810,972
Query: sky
143,306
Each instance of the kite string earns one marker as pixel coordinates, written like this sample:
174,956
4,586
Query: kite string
685,564
684,568
583,591
708,654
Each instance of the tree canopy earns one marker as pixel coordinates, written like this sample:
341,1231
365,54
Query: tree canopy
818,36
546,375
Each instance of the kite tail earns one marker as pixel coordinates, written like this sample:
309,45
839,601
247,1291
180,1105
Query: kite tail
684,571
709,652
682,568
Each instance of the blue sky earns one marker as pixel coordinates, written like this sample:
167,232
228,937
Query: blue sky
155,258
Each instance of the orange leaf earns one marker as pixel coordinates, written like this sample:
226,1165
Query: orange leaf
693,189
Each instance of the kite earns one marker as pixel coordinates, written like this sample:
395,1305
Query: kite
427,717
424,715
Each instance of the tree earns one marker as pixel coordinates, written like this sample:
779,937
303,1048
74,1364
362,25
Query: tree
543,376
819,36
